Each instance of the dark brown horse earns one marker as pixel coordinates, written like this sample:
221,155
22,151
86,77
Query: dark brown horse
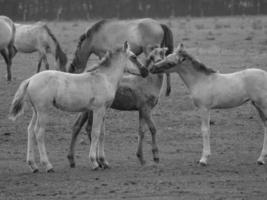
142,35
134,94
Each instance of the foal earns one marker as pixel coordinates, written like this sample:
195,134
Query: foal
210,90
53,88
134,94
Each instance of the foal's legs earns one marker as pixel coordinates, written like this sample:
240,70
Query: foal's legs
153,130
101,159
31,142
82,118
262,114
141,134
168,84
40,134
98,117
205,130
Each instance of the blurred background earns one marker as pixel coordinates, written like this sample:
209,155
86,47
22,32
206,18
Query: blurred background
87,9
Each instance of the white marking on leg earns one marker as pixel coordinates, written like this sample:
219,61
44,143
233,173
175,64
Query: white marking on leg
264,147
31,142
96,126
40,134
205,130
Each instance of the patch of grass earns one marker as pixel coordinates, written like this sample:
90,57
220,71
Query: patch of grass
200,26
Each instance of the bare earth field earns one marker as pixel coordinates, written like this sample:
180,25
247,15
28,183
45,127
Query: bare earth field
225,44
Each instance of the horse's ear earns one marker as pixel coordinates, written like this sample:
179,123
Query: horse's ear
126,46
165,49
179,48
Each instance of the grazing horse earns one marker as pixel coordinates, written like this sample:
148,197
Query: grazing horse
7,35
134,94
38,37
142,34
94,90
212,90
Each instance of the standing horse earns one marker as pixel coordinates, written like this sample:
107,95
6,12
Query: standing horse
7,35
134,94
38,37
94,90
211,90
142,35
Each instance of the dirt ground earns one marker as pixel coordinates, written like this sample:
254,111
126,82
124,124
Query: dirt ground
226,44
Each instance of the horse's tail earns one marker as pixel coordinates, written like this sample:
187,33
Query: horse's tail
167,42
17,105
59,54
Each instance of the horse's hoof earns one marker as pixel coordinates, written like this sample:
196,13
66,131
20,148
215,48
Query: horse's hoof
203,164
35,171
156,160
260,162
72,165
104,166
50,170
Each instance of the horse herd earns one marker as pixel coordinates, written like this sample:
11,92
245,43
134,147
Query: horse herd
119,81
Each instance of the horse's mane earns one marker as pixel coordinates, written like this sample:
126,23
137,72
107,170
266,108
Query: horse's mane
59,53
87,35
90,32
198,65
105,61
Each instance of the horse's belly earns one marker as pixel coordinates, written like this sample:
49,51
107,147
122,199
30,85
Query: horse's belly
125,99
5,37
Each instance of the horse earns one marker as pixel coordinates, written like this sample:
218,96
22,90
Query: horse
142,34
211,89
38,37
7,35
133,94
58,89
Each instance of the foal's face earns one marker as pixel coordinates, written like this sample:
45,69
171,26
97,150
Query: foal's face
134,64
171,63
156,55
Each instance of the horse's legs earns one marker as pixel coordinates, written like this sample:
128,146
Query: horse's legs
141,133
262,115
8,62
205,130
39,62
101,150
98,117
153,130
46,62
81,119
88,127
31,142
40,134
168,84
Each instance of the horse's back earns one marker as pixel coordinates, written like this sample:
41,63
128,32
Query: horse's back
6,31
28,36
138,33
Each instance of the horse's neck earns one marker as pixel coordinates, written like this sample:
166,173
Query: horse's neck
82,55
114,72
191,77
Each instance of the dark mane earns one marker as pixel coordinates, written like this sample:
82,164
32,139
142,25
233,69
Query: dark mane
90,32
59,52
105,61
87,35
198,65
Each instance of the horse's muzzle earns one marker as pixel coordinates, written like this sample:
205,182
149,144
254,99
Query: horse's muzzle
144,72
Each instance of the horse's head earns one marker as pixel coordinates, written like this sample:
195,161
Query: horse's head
155,55
135,61
169,64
